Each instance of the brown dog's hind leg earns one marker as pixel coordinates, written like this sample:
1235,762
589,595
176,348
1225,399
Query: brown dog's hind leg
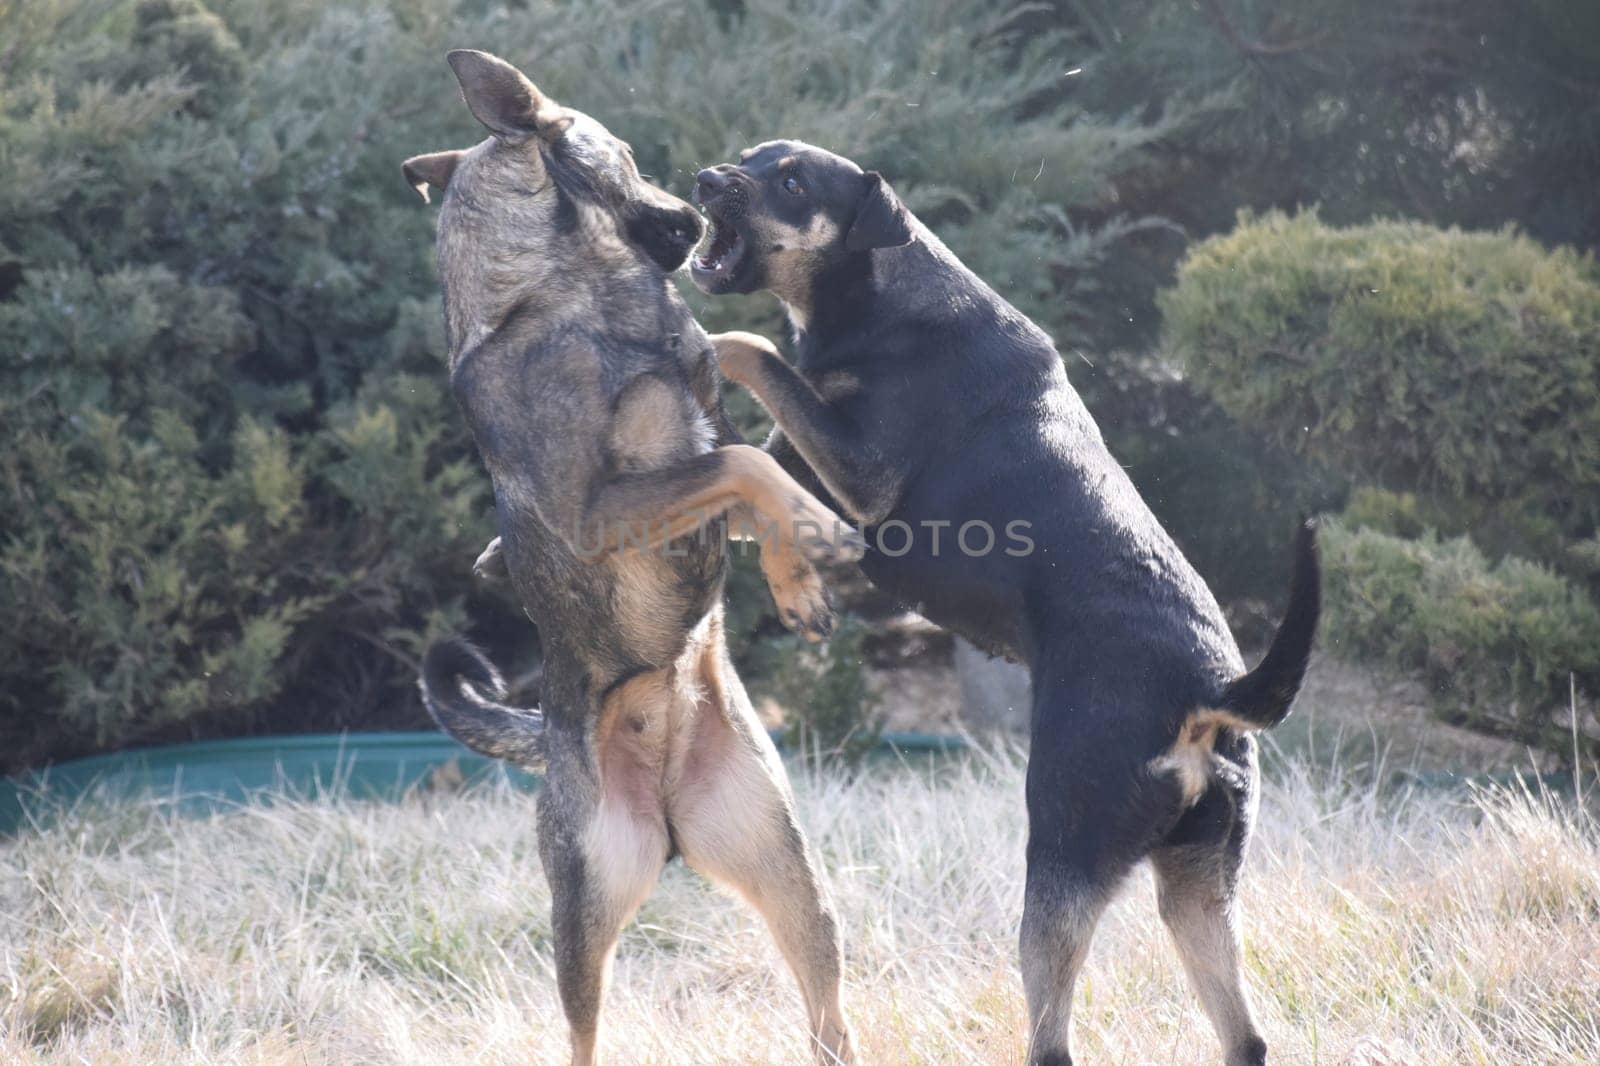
603,842
734,821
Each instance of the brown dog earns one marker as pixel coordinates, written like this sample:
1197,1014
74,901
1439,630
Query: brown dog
592,395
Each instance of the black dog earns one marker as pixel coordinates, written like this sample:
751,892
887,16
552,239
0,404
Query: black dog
920,404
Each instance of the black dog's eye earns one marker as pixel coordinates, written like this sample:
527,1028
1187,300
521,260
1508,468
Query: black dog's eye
792,186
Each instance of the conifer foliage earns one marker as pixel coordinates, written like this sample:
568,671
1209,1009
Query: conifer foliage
235,494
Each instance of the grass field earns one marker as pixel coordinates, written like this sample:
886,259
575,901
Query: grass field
1383,927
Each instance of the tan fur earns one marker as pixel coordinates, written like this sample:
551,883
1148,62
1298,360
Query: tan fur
790,258
797,588
752,362
733,817
593,397
837,385
1202,916
1189,758
786,517
627,841
746,475
682,746
649,431
1054,943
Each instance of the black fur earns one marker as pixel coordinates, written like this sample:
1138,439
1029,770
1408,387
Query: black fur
1264,695
956,408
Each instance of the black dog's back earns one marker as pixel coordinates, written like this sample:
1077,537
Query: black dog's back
1078,557
928,405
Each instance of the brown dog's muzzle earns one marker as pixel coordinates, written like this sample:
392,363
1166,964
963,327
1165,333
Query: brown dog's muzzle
665,228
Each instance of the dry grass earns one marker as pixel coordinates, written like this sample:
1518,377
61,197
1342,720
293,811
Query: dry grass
1382,929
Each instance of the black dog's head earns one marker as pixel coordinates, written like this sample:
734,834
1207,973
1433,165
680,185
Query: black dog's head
784,212
551,200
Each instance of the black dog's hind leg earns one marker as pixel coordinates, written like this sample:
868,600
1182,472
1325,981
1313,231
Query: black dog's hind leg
864,483
1197,881
1094,811
1058,919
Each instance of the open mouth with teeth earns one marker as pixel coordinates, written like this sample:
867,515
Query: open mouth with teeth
723,251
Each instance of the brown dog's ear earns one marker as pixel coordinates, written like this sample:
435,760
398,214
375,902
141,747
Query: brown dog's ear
502,99
881,219
435,168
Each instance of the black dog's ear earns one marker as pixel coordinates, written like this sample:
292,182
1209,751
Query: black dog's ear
435,169
881,219
500,97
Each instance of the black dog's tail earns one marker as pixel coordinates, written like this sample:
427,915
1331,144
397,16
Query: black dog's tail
463,690
1261,698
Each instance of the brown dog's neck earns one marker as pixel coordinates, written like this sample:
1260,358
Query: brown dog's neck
516,281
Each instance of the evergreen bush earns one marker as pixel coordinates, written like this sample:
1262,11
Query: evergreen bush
1499,644
237,495
1466,365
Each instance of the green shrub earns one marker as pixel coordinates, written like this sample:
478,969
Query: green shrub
236,494
218,302
832,712
1497,643
1399,514
1465,364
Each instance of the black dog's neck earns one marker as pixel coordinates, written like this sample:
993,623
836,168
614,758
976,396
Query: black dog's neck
843,297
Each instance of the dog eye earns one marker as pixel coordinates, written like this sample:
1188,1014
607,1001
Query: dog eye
791,185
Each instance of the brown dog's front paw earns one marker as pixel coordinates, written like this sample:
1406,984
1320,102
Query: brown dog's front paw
849,545
800,596
740,354
824,537
839,542
491,567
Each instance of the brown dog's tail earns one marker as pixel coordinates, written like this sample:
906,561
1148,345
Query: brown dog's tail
1261,698
463,690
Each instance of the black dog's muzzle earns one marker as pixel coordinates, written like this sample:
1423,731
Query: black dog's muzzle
723,192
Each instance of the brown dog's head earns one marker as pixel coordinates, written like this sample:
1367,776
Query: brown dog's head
784,212
550,205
